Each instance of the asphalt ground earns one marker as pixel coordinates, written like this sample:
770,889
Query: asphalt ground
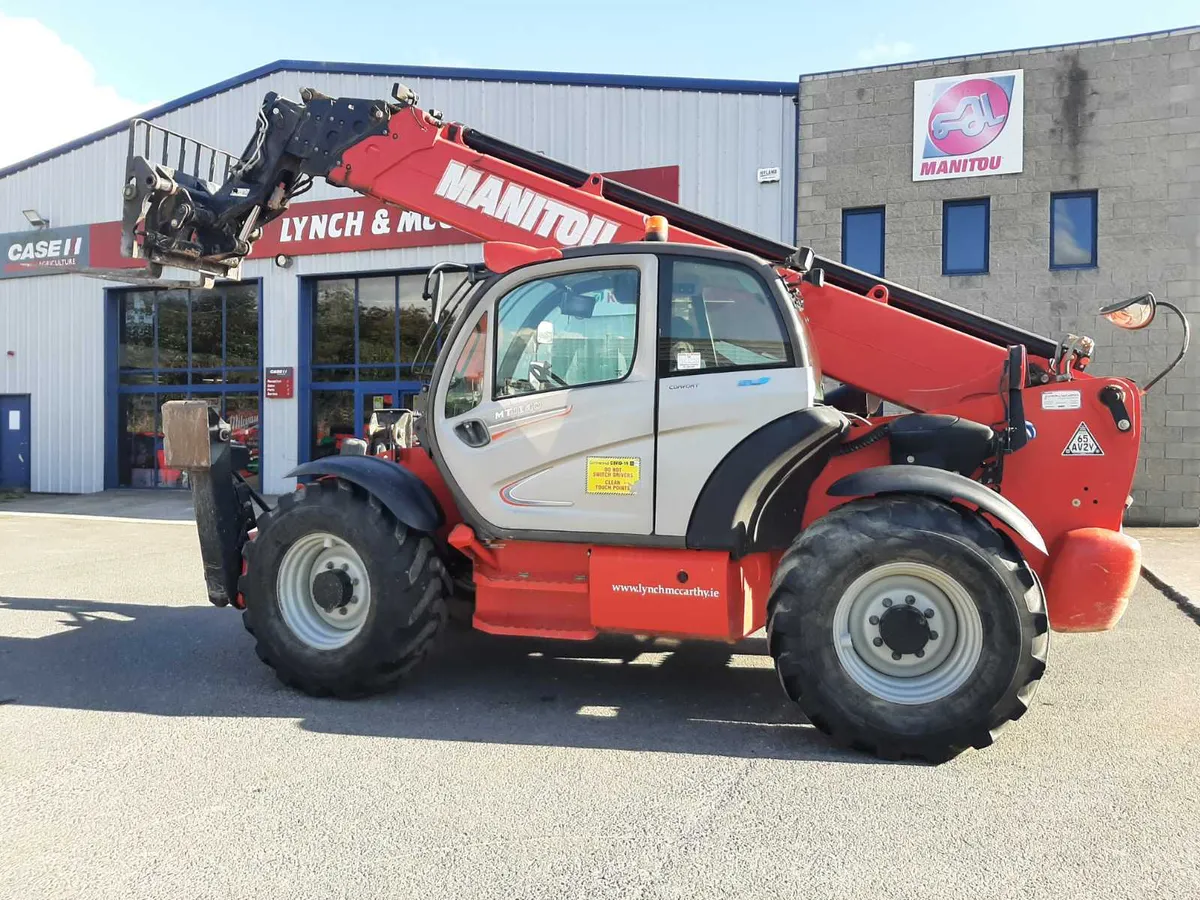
145,752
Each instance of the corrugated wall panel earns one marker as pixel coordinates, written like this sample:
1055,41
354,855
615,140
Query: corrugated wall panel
55,324
54,327
718,140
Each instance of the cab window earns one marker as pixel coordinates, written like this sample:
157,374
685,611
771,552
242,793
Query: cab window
719,317
566,331
465,390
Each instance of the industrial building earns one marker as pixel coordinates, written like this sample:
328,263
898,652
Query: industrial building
297,354
1032,185
1091,193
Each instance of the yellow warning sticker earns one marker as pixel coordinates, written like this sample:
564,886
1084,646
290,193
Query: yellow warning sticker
613,474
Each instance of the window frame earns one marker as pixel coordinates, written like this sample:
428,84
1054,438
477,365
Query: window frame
494,309
1094,196
666,283
863,211
355,369
986,203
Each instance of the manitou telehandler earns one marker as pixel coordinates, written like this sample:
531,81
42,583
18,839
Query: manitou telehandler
625,431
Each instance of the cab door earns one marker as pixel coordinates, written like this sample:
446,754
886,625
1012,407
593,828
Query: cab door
731,362
543,412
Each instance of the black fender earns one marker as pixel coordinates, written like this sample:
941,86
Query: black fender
405,495
754,498
938,483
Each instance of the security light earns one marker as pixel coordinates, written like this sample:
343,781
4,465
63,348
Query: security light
36,219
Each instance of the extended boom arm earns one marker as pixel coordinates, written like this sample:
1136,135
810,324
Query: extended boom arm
900,344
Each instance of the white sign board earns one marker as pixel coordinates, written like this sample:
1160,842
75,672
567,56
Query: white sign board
769,175
968,125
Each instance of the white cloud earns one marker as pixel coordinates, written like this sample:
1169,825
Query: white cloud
882,52
49,93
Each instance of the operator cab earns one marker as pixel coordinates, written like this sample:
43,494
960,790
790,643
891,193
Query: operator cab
596,391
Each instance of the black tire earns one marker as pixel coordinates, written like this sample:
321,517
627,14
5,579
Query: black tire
408,593
857,537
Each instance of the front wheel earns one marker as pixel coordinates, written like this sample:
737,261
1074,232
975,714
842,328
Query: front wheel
905,626
341,598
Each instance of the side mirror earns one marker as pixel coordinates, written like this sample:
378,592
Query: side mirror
433,292
1138,313
1132,314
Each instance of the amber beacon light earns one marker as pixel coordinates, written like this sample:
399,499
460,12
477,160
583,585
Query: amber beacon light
656,228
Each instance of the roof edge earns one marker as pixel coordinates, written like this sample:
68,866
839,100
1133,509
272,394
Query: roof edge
571,79
998,54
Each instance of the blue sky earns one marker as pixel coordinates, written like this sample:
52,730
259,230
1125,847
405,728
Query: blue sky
95,47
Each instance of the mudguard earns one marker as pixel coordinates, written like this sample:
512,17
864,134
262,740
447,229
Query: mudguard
938,483
405,495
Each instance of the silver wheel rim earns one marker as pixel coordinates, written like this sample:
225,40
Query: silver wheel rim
307,558
945,662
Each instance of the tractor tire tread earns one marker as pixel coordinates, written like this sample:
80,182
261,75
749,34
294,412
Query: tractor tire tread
822,547
408,596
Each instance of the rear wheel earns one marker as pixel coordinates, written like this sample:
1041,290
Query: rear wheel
341,598
905,626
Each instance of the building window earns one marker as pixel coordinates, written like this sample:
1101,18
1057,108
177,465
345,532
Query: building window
370,344
566,331
862,239
184,344
721,317
1073,230
371,329
965,236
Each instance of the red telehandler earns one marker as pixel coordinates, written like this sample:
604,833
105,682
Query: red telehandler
625,430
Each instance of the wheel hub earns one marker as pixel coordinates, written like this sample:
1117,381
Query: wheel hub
323,590
332,589
907,632
904,630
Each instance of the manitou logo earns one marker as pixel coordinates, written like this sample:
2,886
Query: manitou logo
968,126
523,207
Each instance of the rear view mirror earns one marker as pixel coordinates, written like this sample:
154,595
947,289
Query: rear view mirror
578,306
1132,314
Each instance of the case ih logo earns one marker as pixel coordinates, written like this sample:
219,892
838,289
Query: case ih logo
44,252
967,126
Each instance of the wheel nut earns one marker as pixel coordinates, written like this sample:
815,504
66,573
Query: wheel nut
874,620
895,656
920,653
887,601
345,566
342,610
329,565
878,642
933,635
910,599
355,581
929,613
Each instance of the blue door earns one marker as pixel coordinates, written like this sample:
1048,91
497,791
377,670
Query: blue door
14,442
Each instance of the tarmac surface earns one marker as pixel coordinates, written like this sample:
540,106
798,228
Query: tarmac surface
145,752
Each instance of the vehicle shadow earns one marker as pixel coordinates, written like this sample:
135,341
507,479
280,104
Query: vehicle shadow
618,693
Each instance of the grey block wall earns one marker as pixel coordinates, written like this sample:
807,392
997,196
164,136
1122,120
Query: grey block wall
1121,117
